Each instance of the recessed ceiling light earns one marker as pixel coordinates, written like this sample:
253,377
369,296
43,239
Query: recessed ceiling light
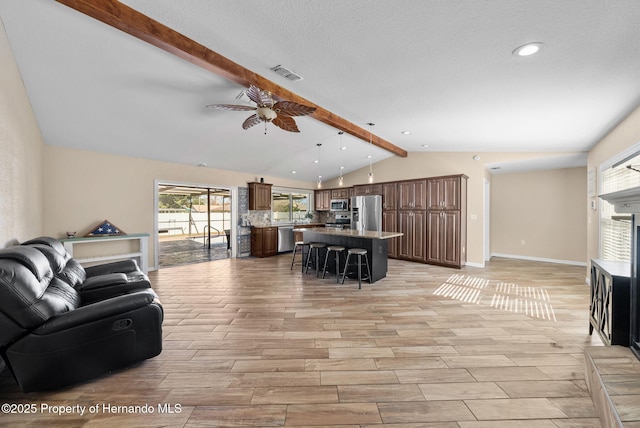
369,157
316,161
528,49
293,172
425,145
343,148
202,164
406,132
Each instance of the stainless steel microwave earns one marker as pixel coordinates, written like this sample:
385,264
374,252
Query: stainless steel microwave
339,205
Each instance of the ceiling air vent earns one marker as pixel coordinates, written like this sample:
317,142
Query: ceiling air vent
286,73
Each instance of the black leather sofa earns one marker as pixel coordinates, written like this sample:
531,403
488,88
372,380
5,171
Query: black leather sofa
58,328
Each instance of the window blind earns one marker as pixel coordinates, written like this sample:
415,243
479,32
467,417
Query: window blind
615,232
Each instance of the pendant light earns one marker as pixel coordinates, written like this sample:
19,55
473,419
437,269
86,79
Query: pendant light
319,182
370,164
341,179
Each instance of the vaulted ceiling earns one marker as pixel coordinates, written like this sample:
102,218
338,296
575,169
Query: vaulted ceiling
442,70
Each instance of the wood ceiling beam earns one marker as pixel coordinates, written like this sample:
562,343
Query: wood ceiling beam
132,22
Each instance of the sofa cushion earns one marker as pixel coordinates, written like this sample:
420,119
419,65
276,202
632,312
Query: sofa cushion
51,242
25,275
57,261
30,258
73,274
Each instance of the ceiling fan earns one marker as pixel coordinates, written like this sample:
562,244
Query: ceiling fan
279,113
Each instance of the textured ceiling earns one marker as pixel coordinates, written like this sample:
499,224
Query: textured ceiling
440,69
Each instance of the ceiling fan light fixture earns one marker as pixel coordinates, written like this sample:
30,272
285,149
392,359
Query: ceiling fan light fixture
266,114
279,113
528,49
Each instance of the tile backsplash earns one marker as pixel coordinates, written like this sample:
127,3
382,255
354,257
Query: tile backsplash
258,218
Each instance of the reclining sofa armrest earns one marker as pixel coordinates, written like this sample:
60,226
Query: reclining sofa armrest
122,266
106,280
97,311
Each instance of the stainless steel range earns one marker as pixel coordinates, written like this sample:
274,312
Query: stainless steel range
343,221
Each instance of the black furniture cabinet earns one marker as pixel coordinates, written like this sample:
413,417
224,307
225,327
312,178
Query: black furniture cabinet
609,304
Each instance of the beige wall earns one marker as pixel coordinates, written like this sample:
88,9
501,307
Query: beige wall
83,188
625,135
429,164
540,215
121,189
21,150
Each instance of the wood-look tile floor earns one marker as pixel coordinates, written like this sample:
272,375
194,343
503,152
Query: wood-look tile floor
249,342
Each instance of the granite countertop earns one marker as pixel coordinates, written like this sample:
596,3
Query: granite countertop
349,232
295,225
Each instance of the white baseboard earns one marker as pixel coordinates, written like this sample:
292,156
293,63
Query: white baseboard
478,265
540,259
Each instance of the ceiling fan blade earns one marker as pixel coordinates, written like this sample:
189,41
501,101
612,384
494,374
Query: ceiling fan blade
231,107
287,123
259,96
251,121
289,108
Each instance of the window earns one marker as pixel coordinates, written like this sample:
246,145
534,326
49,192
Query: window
620,173
290,205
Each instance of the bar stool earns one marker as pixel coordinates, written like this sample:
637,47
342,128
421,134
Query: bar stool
301,245
357,252
317,246
338,250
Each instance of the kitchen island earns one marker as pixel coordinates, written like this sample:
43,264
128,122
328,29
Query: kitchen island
375,243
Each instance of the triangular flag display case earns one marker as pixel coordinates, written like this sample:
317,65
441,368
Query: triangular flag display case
106,228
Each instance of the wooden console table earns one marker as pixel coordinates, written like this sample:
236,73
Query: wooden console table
141,255
609,303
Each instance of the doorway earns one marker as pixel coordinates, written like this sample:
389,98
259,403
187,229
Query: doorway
194,224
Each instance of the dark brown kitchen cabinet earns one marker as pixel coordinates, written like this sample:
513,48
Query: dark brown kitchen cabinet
445,193
411,245
444,241
390,224
322,200
264,241
342,193
412,195
389,196
367,189
447,221
260,196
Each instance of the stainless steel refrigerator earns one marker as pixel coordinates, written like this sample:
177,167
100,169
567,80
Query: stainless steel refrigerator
366,213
